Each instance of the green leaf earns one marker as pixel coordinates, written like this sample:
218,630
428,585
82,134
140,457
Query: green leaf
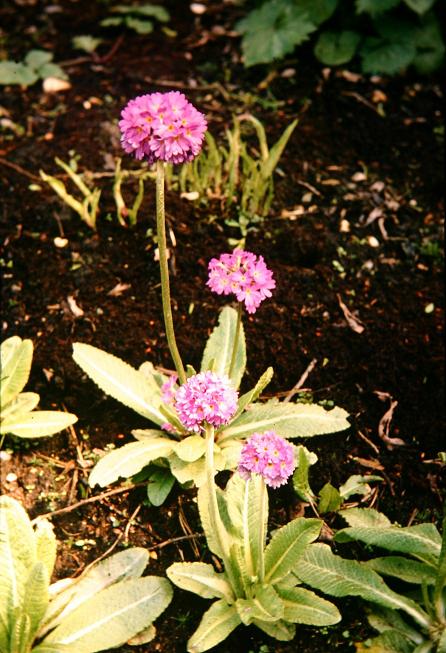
385,619
281,630
16,73
24,403
190,448
35,598
206,523
52,70
420,539
159,484
19,640
118,567
16,358
38,424
218,351
420,6
195,472
255,520
270,164
155,11
329,499
37,58
114,615
357,484
54,648
266,605
305,607
140,26
272,31
251,396
365,517
119,380
411,571
380,56
128,460
86,42
288,420
17,554
336,48
143,637
112,21
216,624
317,11
318,567
374,7
430,45
202,579
46,545
287,545
391,641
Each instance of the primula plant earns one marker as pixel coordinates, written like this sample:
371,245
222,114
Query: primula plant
258,584
106,606
165,128
18,416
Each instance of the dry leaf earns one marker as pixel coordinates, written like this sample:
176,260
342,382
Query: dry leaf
55,85
353,322
74,308
118,289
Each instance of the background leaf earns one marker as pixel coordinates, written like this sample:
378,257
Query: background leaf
16,359
38,424
336,48
216,624
218,349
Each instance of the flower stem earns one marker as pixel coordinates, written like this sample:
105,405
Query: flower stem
238,328
263,508
164,271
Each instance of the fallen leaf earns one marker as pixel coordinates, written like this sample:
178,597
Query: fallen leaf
74,308
55,85
117,290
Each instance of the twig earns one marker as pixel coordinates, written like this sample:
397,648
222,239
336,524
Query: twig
174,540
369,442
301,381
309,187
84,502
19,169
130,521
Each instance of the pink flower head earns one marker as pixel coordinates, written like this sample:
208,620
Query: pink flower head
243,274
162,126
205,397
270,456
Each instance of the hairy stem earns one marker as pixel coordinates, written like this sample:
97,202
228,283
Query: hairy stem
164,271
238,328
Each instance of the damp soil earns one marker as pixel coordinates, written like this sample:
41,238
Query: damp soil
354,237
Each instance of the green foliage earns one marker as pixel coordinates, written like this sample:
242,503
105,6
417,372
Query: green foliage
419,569
86,42
177,450
136,18
104,607
38,64
413,38
258,585
18,416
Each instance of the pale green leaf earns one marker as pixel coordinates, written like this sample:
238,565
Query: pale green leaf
119,380
200,578
255,519
287,420
235,500
287,545
12,72
385,619
37,58
206,522
113,616
216,624
112,21
128,460
46,545
19,632
35,597
143,637
357,484
441,648
155,11
365,518
118,567
159,484
147,434
219,346
318,567
301,484
276,152
140,26
391,641
281,630
86,42
410,571
54,648
52,70
250,396
38,424
305,607
195,471
16,359
24,403
17,554
4,633
190,448
266,605
336,48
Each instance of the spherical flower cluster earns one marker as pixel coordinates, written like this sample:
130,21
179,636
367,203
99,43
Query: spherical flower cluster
270,456
205,397
243,274
162,126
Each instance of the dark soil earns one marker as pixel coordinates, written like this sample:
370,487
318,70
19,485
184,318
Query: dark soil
333,261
